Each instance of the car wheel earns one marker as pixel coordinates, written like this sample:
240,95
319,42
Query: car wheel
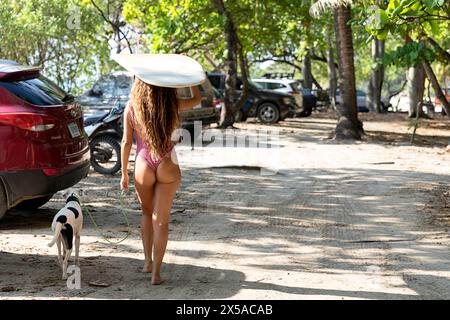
268,113
3,204
34,203
105,154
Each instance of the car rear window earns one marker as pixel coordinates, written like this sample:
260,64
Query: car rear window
38,91
275,85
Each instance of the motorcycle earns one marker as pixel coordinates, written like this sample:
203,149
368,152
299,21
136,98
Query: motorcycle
105,133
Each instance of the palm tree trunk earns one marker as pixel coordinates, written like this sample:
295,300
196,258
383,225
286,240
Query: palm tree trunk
348,126
332,76
376,80
307,73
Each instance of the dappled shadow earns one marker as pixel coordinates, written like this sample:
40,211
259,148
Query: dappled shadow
40,276
320,130
289,227
318,222
21,219
334,216
181,282
419,139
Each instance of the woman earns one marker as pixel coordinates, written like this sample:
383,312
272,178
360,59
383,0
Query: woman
152,114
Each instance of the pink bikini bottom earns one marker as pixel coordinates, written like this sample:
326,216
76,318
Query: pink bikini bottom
151,160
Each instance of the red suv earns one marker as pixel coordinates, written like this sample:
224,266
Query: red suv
43,146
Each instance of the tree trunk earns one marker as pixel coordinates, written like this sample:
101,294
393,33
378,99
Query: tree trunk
316,83
416,88
436,87
227,114
307,73
376,80
444,54
348,126
331,70
244,77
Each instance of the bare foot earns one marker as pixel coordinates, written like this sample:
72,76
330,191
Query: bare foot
147,267
156,280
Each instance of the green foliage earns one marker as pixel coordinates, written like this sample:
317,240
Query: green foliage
410,23
36,32
57,34
417,19
409,55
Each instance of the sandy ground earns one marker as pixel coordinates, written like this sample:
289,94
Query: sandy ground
307,218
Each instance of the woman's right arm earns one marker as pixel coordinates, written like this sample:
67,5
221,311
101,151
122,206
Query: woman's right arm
127,143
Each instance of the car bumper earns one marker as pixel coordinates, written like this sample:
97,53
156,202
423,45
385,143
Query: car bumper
24,185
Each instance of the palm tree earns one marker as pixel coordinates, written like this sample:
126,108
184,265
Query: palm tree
348,126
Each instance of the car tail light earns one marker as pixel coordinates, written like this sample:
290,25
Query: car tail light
51,171
293,92
28,121
217,102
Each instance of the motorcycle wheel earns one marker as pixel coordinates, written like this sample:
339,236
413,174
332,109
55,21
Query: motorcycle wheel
105,155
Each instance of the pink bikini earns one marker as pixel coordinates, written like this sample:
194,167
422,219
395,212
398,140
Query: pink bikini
143,150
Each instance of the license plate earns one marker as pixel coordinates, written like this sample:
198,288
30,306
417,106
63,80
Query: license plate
73,129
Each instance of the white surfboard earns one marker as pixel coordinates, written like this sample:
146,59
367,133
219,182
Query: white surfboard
164,70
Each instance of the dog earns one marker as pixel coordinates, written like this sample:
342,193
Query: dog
67,225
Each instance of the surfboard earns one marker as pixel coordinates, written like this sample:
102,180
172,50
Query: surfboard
164,70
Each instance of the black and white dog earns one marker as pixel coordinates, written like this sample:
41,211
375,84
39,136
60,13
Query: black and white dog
67,225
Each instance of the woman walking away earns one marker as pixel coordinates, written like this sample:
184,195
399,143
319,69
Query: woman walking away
152,115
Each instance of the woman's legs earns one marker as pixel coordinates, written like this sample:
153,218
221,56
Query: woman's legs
144,180
167,181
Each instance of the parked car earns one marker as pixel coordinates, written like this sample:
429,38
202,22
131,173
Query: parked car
304,97
115,88
360,100
43,147
401,103
269,106
438,104
219,100
282,85
309,102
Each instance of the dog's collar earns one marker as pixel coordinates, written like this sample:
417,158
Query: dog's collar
73,198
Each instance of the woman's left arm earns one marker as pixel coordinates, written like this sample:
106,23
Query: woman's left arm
127,143
184,104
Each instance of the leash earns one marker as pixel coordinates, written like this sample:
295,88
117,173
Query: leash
107,239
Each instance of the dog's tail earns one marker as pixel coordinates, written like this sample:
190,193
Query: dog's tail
58,228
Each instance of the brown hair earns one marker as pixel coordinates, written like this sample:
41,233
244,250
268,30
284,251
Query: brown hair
155,114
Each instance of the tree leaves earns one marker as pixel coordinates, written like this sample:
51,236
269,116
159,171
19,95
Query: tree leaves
409,55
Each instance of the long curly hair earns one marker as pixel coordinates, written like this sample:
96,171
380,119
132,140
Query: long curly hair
156,115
